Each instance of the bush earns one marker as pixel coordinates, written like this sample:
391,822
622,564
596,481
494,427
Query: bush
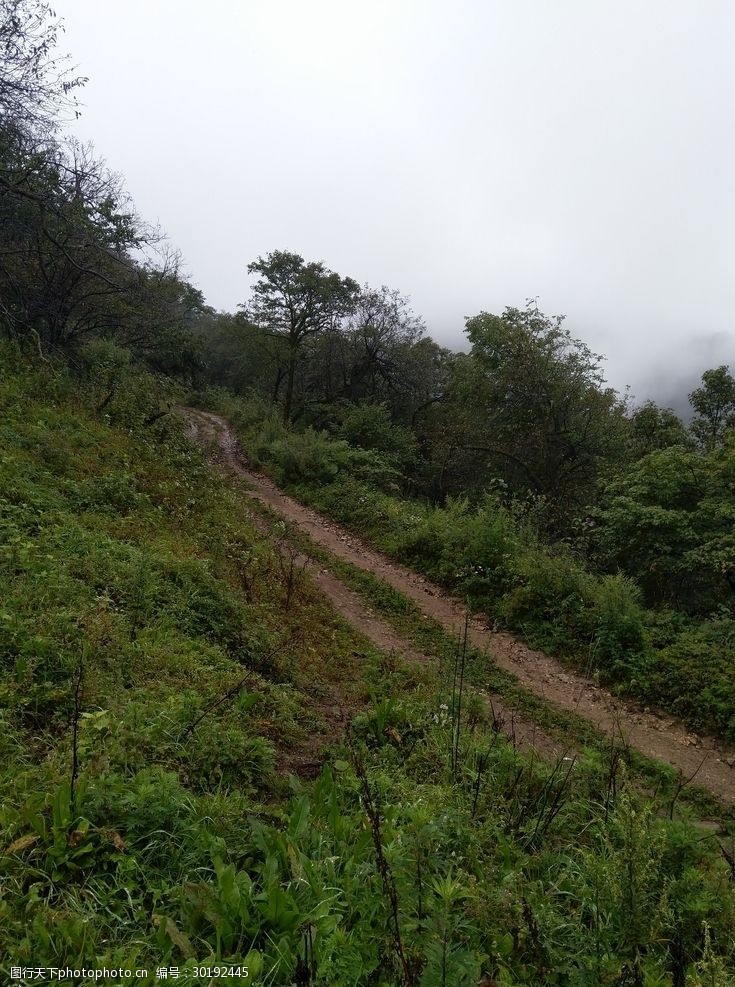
151,800
369,426
695,677
371,513
115,491
115,386
466,548
552,601
620,648
219,756
313,459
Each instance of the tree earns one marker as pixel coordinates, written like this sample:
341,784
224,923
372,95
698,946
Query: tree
378,354
295,301
65,235
241,356
36,84
158,318
71,261
380,331
653,427
669,522
75,259
714,407
530,405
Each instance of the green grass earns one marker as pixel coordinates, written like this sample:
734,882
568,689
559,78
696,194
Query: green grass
125,560
143,611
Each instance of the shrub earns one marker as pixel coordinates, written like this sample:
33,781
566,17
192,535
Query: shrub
153,799
620,647
551,601
358,506
115,491
223,756
369,426
466,548
695,677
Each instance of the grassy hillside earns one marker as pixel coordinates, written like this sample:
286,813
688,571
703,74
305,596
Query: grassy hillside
165,673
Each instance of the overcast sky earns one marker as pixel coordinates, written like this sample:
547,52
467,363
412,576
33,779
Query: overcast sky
469,153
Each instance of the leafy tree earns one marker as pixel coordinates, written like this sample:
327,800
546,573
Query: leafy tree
76,262
530,405
379,354
669,521
426,374
380,331
240,356
159,316
370,426
295,301
68,230
714,407
654,427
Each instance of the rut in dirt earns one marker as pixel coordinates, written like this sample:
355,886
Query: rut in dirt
709,762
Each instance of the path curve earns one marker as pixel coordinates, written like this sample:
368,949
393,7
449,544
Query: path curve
709,761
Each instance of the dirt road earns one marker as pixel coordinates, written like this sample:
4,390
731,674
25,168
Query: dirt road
657,736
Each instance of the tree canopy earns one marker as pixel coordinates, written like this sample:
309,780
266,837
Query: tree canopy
294,300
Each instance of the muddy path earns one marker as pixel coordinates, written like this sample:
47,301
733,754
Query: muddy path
710,762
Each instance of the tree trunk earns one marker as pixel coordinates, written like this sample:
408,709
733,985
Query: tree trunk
280,374
289,385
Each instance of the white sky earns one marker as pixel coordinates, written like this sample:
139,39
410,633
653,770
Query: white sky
468,153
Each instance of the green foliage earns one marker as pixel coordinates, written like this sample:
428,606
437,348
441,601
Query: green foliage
295,300
668,522
76,261
653,427
694,676
474,896
312,457
621,642
550,600
531,404
714,407
370,426
466,547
